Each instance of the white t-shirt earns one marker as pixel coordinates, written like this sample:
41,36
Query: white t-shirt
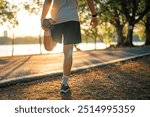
64,10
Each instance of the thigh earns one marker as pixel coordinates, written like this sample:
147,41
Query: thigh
72,32
56,33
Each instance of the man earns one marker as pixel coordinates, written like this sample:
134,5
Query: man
66,24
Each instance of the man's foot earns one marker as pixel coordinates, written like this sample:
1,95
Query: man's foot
64,89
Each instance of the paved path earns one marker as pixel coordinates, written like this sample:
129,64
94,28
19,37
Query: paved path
20,67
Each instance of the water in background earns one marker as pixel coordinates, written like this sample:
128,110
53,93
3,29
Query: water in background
28,49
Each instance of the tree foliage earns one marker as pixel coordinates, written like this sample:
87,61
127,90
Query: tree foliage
110,12
8,12
33,6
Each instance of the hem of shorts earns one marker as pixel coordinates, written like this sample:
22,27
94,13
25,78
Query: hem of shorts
67,43
71,43
67,21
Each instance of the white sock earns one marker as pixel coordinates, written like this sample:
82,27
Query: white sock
65,80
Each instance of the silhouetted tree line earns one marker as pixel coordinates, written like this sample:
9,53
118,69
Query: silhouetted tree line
19,40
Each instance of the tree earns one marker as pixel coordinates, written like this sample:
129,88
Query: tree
110,11
134,11
147,29
8,13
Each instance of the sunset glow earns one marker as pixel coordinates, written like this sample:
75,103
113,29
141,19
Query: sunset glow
29,25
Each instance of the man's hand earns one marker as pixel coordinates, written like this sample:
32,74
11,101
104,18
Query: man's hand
45,23
43,26
94,21
93,11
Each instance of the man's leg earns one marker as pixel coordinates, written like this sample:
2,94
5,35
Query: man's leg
68,50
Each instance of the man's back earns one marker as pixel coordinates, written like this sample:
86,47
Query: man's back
64,10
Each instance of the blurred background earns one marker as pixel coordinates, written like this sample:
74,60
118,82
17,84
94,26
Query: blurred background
122,23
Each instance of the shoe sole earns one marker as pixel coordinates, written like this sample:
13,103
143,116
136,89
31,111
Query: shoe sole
64,91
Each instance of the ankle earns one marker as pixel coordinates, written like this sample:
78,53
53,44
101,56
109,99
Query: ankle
65,80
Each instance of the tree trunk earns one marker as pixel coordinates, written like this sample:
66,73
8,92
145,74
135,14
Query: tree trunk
86,40
129,39
119,35
147,31
95,43
40,42
13,42
95,36
119,28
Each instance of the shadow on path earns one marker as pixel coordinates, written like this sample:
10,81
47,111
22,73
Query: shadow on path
12,66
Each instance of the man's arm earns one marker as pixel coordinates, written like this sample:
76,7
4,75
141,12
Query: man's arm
91,6
46,6
93,11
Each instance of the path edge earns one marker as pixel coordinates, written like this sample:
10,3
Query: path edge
28,78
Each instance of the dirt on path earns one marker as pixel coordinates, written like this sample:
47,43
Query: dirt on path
128,80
